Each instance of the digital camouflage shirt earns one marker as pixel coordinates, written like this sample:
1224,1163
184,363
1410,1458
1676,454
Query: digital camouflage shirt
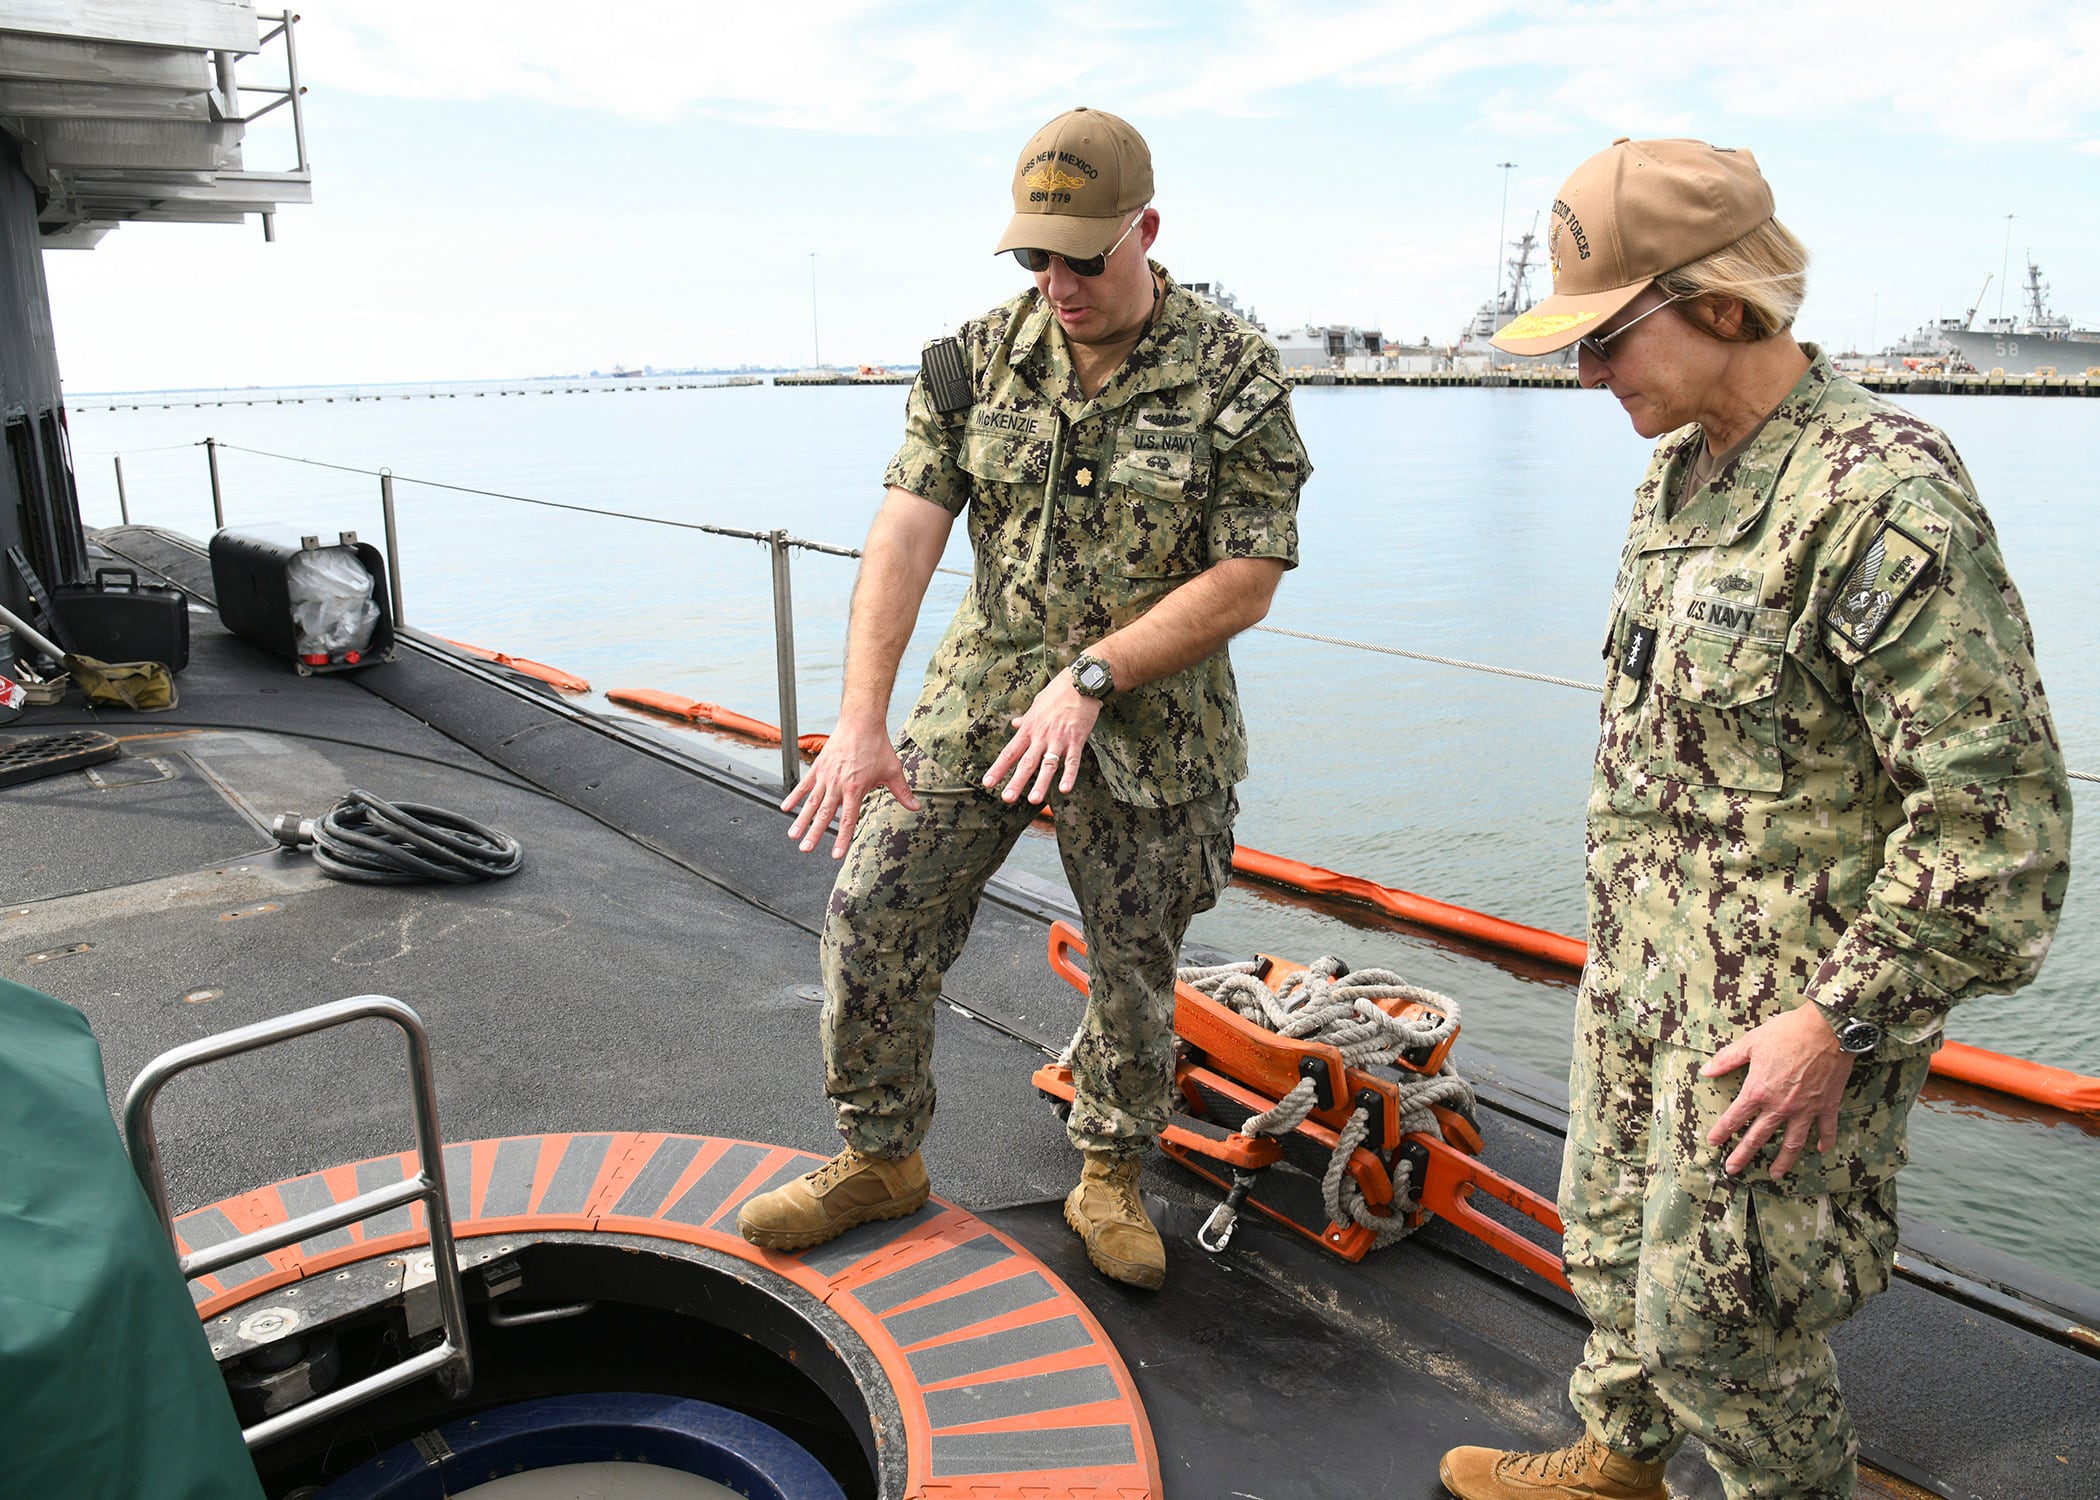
1086,512
1826,769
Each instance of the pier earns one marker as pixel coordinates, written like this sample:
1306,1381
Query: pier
847,377
1885,382
1563,378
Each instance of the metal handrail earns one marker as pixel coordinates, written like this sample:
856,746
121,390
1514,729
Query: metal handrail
451,1361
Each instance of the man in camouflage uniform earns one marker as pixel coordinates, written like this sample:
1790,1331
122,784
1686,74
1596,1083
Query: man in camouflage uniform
1127,459
1828,805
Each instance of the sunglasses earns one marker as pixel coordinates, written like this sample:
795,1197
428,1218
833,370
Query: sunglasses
1594,345
1038,261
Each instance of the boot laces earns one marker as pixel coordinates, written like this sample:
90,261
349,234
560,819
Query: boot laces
1121,1181
1558,1464
828,1176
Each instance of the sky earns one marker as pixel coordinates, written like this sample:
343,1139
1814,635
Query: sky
523,188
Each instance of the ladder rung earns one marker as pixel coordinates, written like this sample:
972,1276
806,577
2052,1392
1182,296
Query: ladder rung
306,1226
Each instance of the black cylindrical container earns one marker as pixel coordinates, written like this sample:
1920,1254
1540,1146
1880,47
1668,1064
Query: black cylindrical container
251,572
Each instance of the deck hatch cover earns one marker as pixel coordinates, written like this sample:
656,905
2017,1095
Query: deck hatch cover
41,755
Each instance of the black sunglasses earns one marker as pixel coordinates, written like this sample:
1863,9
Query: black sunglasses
1038,261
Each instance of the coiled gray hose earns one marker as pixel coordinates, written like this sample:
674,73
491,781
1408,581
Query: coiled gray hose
366,839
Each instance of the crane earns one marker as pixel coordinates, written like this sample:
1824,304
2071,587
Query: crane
1971,318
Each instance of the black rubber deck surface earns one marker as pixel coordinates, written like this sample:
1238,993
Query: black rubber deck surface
147,814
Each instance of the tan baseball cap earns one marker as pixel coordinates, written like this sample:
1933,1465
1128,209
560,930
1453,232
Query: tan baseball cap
1631,212
1079,180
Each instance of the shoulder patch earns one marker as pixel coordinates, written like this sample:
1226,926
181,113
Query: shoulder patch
1248,405
1894,564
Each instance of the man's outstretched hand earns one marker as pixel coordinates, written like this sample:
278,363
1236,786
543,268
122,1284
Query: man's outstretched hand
856,759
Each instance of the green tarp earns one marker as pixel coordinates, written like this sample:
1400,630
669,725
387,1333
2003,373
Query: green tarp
108,1390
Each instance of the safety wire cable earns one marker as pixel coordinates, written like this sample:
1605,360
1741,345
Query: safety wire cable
834,551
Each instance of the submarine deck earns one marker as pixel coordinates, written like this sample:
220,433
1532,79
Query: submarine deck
651,969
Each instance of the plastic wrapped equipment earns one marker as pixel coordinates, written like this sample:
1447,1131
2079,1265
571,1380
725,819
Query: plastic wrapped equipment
331,595
323,607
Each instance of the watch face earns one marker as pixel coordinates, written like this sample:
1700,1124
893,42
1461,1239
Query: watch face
1092,676
1859,1036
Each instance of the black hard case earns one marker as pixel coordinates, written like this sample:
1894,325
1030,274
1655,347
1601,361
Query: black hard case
117,618
249,574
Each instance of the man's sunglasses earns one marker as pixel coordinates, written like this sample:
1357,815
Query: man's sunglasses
1593,346
1038,261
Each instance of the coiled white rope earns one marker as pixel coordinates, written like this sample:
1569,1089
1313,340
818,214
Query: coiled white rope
1321,1003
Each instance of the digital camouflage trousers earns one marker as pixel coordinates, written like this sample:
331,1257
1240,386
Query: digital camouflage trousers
1710,1298
902,909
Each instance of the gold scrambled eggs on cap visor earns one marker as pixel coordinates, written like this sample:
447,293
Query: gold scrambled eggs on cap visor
1562,318
1537,325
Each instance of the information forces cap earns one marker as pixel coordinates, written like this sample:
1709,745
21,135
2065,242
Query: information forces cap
1079,180
1631,212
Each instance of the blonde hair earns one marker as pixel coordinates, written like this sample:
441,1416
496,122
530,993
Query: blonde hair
1766,271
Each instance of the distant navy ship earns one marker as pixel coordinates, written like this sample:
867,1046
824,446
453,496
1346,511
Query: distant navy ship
2041,340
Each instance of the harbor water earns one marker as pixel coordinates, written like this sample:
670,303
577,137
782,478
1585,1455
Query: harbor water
1475,524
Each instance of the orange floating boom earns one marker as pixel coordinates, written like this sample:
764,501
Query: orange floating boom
670,705
713,715
554,677
1534,942
693,711
2037,1082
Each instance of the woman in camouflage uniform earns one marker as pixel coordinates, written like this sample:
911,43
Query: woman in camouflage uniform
1828,805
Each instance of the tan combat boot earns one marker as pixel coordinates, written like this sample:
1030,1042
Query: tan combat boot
1584,1470
847,1191
1105,1212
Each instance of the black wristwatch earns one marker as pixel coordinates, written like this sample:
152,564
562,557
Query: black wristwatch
1091,675
1853,1036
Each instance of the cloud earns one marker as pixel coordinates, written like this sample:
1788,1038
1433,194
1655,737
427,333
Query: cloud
880,66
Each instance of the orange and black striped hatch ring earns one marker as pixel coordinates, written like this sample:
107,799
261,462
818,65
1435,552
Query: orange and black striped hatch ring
1007,1384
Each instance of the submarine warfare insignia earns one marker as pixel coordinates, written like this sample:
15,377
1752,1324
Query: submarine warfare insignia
1894,564
1048,179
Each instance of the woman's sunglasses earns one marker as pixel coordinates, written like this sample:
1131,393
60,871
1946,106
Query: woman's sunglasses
1594,345
1038,261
